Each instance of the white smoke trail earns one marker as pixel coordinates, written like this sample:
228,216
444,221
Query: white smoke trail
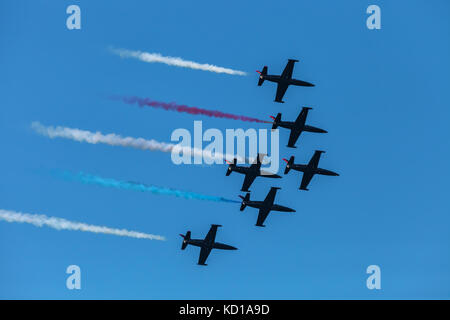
174,61
117,140
40,220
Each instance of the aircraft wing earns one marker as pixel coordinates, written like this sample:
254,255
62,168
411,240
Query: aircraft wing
204,253
287,72
314,162
301,119
307,176
263,213
298,126
271,196
248,180
293,137
257,163
211,236
281,90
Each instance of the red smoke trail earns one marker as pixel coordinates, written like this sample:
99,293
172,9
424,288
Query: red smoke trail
142,102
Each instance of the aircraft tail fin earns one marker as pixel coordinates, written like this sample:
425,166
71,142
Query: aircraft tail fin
244,201
262,74
289,164
186,239
276,121
231,166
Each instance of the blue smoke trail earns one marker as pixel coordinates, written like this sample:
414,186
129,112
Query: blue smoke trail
136,186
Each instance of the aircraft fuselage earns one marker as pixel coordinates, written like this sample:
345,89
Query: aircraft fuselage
286,81
246,170
273,207
208,245
286,124
309,169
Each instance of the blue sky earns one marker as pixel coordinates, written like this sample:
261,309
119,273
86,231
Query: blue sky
382,95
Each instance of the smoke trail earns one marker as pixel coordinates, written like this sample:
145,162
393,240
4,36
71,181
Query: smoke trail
117,140
136,186
174,61
183,108
63,224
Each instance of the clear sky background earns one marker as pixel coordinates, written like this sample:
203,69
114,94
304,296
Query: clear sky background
383,95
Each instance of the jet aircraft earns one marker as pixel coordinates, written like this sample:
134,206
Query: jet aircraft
264,206
309,170
296,127
206,244
284,80
250,172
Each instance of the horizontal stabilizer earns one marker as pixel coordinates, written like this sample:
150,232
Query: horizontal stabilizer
276,121
231,166
186,239
289,164
262,75
244,201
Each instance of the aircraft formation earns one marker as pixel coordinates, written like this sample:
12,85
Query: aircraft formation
254,170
